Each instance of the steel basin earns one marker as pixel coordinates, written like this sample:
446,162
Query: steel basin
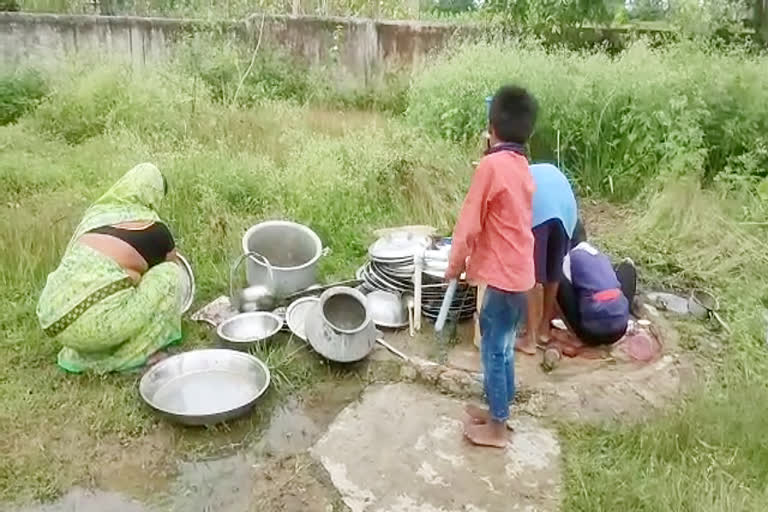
203,387
292,249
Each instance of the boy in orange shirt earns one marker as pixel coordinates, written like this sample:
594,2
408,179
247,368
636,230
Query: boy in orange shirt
494,243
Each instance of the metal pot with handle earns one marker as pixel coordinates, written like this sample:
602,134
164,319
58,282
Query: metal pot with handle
339,327
256,297
294,251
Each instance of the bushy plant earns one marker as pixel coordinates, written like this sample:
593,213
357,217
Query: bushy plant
387,92
235,73
708,17
20,91
546,16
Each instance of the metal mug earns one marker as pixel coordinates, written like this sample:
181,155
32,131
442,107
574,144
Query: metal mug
252,298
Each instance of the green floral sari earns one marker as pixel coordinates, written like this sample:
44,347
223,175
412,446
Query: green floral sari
103,320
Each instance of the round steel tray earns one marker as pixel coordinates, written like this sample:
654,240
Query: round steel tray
203,387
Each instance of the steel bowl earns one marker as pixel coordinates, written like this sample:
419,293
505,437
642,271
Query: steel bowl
242,331
387,309
203,387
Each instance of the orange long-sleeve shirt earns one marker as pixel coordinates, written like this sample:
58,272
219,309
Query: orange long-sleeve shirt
493,238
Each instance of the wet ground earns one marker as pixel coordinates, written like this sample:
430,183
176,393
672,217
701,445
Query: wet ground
393,446
273,472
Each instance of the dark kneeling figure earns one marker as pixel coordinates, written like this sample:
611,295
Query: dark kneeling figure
594,298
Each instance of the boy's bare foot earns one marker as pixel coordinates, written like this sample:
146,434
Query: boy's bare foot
493,434
477,414
525,346
544,335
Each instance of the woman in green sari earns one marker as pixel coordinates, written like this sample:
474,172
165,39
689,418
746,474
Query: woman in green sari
115,298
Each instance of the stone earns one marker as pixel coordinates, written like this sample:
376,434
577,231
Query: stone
408,373
456,382
669,302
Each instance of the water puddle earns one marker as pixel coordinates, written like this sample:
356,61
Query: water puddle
81,500
234,483
239,476
291,430
223,485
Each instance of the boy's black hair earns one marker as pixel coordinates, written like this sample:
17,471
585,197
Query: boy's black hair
513,114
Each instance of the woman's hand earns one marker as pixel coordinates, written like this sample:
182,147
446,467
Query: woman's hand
134,275
173,256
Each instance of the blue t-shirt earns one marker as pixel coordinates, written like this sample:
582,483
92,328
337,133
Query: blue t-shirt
591,272
553,198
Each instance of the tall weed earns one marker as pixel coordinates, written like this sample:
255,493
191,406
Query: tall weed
614,123
237,74
92,98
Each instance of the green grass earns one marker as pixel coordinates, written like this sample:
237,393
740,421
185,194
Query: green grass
647,126
707,453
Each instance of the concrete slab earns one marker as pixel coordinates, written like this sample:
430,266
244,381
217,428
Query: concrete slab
401,449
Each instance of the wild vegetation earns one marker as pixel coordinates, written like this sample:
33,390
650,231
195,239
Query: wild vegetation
543,18
617,122
675,135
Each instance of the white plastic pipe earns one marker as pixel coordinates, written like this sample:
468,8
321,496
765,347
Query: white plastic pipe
418,261
447,299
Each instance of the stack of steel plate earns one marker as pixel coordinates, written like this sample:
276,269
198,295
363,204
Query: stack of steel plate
463,305
391,268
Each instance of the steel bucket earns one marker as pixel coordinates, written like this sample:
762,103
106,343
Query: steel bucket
340,327
293,251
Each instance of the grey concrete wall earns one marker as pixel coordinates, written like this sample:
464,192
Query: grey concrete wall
359,46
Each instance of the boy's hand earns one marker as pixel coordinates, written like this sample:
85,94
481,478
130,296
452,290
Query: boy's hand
452,273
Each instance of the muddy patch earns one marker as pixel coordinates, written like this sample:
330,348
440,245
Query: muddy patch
243,482
272,471
578,389
245,468
298,423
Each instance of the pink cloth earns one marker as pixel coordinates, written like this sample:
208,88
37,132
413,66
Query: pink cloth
641,346
493,237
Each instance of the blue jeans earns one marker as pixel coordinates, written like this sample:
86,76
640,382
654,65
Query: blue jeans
500,315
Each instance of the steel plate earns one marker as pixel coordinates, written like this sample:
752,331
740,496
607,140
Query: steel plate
296,316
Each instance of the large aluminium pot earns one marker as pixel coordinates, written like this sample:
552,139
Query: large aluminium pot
339,327
292,249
